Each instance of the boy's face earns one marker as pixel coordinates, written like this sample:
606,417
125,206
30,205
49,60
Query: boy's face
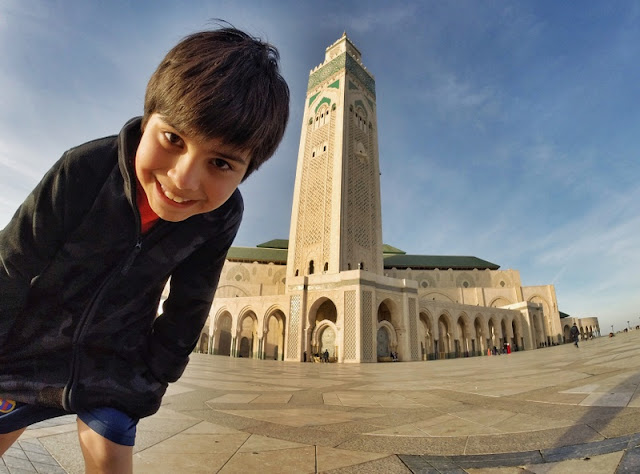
183,176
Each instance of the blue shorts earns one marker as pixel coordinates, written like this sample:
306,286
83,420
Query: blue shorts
109,423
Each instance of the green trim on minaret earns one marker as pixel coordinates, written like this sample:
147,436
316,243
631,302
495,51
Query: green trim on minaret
343,61
325,100
335,85
312,98
352,86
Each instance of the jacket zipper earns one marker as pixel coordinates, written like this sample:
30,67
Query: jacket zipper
67,393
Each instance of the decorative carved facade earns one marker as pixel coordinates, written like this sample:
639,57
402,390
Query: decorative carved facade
334,287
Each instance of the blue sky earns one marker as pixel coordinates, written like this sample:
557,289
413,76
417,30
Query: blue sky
508,130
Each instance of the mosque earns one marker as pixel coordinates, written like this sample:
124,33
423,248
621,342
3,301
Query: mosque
334,289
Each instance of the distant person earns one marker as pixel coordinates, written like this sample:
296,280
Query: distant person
86,257
574,334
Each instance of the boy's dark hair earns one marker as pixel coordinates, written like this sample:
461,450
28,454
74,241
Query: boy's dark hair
223,84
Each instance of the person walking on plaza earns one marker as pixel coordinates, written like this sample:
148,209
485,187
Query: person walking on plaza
575,334
85,259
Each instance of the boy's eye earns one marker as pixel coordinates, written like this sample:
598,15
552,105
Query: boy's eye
172,138
220,163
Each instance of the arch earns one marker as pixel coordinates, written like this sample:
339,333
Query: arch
273,337
494,335
505,334
445,339
327,311
388,311
203,344
517,342
325,337
230,291
436,296
463,342
546,312
384,314
537,329
499,301
321,311
425,335
222,333
247,334
481,335
386,340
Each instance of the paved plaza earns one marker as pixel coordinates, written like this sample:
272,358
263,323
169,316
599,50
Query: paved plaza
558,409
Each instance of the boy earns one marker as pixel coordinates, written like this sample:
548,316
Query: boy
85,258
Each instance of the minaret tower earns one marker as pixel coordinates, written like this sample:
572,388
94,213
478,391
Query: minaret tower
336,216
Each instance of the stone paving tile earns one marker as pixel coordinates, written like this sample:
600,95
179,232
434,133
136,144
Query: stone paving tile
405,445
283,461
29,456
544,439
549,403
630,463
387,465
603,464
584,450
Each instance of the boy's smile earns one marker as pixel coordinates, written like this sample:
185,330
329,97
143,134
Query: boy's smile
183,176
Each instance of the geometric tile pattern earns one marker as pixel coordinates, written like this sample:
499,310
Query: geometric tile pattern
549,410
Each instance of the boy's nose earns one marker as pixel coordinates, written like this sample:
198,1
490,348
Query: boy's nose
184,173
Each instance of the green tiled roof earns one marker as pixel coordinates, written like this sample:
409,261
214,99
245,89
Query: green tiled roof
275,251
388,249
443,262
564,315
275,244
255,254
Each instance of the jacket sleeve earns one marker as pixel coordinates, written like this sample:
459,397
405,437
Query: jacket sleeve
31,239
192,287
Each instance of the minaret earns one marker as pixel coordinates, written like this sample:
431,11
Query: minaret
336,216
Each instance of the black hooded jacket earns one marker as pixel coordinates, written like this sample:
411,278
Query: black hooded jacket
80,286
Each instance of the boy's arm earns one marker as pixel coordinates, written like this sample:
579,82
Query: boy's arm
31,239
193,284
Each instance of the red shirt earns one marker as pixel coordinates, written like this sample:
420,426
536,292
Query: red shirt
147,217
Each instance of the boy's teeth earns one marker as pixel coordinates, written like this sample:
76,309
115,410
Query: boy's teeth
173,197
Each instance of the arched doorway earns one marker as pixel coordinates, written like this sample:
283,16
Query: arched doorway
444,338
203,345
386,340
463,346
481,347
325,314
425,336
494,338
274,336
327,342
384,349
222,335
248,335
516,342
505,335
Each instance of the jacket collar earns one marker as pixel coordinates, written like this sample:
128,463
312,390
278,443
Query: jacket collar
128,141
